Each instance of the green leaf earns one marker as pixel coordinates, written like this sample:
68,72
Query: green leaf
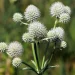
26,68
45,63
33,62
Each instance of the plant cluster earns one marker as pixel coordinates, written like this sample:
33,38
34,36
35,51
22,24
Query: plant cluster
36,33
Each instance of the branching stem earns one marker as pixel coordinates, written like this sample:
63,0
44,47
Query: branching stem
35,55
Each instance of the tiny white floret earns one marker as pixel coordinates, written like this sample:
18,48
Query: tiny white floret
17,17
16,62
3,46
63,44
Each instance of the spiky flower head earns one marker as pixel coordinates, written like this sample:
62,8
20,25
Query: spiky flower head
67,10
37,30
64,18
27,38
17,17
55,33
56,9
63,44
51,34
15,49
32,13
3,46
16,62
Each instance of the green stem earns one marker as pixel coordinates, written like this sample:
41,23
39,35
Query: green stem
50,58
24,23
55,23
43,61
38,55
45,54
29,67
35,55
46,67
16,71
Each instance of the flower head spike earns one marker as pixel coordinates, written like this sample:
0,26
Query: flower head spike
56,9
67,10
32,13
64,18
55,33
17,17
63,44
15,49
3,46
16,62
37,30
27,38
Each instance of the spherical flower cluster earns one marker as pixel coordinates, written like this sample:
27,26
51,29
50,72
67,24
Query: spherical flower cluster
64,18
54,33
61,11
17,17
37,30
56,9
67,10
3,46
27,38
63,44
32,13
16,62
15,49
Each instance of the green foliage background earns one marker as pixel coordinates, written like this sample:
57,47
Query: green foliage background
10,31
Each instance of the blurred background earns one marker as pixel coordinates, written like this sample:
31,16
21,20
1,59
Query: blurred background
10,31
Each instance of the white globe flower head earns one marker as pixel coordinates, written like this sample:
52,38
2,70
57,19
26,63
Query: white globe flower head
3,46
51,34
32,13
64,18
67,10
56,9
17,17
60,32
37,30
16,62
27,38
55,33
15,49
63,44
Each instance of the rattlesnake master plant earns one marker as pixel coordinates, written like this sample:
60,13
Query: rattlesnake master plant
36,33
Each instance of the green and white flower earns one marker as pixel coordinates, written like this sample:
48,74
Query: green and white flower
17,17
54,33
64,18
37,30
32,13
15,49
27,38
67,10
63,44
56,9
3,46
16,62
